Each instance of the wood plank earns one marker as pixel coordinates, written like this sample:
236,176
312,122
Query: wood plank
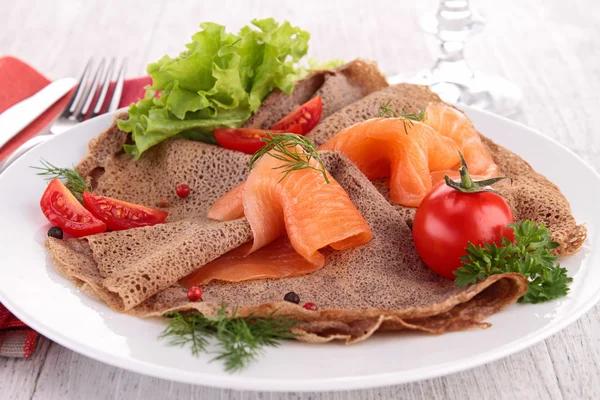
18,377
66,374
528,374
58,37
525,375
575,354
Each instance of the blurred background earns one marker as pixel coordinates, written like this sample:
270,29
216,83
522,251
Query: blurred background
519,38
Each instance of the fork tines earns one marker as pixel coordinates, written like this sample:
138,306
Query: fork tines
93,88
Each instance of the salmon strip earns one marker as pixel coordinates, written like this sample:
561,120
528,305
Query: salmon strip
228,206
276,260
312,212
452,123
406,151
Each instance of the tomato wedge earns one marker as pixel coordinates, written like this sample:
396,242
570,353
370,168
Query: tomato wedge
303,119
248,140
119,215
65,211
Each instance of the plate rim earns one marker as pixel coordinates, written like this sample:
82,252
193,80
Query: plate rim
232,381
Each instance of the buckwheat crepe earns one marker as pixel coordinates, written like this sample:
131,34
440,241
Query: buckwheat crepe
380,286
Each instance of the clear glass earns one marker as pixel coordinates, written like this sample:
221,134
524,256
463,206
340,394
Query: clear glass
451,77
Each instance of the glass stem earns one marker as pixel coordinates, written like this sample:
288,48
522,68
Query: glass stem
452,25
451,77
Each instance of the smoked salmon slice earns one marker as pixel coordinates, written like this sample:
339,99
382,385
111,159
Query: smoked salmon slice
313,213
406,151
278,259
229,206
452,123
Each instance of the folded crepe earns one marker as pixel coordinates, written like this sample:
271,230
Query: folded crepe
530,195
380,286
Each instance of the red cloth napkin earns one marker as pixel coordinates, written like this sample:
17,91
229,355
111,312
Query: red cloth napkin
19,81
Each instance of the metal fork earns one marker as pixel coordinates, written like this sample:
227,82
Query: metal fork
91,91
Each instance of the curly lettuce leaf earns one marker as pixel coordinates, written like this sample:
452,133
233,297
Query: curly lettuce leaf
315,65
219,81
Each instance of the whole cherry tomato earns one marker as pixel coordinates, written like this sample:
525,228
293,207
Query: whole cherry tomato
453,214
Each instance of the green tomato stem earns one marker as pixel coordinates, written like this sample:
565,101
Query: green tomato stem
467,184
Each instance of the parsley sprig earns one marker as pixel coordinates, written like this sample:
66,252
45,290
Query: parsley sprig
73,179
240,339
530,255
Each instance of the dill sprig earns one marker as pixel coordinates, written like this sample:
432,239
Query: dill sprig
240,339
529,254
284,147
73,179
387,111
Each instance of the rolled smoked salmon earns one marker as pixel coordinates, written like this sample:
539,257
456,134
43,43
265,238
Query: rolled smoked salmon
406,151
452,123
278,259
229,206
313,213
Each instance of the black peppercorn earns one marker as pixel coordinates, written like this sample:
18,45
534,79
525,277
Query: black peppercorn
55,232
292,297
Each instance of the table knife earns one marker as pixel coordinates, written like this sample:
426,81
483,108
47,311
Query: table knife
17,117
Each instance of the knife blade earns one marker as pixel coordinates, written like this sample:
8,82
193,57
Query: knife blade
17,117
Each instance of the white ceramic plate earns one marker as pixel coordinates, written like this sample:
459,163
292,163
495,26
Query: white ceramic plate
33,291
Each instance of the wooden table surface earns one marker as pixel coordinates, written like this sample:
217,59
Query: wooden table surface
551,49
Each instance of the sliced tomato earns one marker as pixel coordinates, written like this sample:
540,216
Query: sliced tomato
303,119
65,211
246,140
119,215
